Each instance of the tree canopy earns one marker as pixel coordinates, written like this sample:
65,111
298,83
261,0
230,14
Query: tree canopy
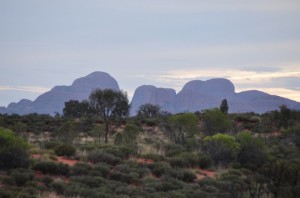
110,105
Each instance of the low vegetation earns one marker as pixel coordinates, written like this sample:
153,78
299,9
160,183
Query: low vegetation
154,154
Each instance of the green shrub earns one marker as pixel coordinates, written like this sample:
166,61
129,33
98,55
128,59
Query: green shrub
13,151
101,156
51,145
22,176
89,181
4,193
151,122
47,180
153,157
65,150
49,167
80,169
58,187
173,150
103,168
188,176
204,161
128,178
184,160
160,168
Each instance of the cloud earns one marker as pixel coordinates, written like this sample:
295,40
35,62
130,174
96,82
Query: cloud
32,89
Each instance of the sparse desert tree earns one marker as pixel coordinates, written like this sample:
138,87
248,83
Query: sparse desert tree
149,110
224,106
110,105
182,126
76,109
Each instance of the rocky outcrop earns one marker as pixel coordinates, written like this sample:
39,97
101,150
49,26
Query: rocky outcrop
153,95
195,95
199,95
53,100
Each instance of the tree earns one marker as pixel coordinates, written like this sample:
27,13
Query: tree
149,110
75,109
182,125
13,150
110,105
215,122
224,106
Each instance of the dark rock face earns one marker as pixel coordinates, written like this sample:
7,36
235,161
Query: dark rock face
199,95
153,95
53,100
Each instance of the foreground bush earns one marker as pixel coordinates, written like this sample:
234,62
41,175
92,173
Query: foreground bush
65,150
184,160
49,167
100,156
13,151
22,176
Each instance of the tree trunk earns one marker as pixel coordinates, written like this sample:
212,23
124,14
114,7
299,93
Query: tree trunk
106,132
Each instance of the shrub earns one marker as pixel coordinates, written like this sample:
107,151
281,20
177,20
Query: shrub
151,122
184,160
204,161
49,167
47,180
22,176
103,168
89,181
159,169
173,149
13,151
51,145
153,157
185,175
80,169
65,150
4,193
58,187
101,156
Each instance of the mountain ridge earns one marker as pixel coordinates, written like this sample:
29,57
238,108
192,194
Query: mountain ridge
195,95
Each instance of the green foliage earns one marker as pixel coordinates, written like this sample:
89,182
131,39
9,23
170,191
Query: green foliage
49,167
148,111
65,150
215,122
182,126
76,109
204,161
184,160
22,176
130,134
252,152
222,148
13,150
224,106
80,169
67,132
110,105
97,156
174,149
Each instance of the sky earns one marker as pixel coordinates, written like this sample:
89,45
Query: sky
166,43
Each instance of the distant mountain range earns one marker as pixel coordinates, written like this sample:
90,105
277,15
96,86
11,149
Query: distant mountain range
196,95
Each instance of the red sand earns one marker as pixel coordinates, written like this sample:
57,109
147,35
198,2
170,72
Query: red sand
69,162
145,161
36,156
201,174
